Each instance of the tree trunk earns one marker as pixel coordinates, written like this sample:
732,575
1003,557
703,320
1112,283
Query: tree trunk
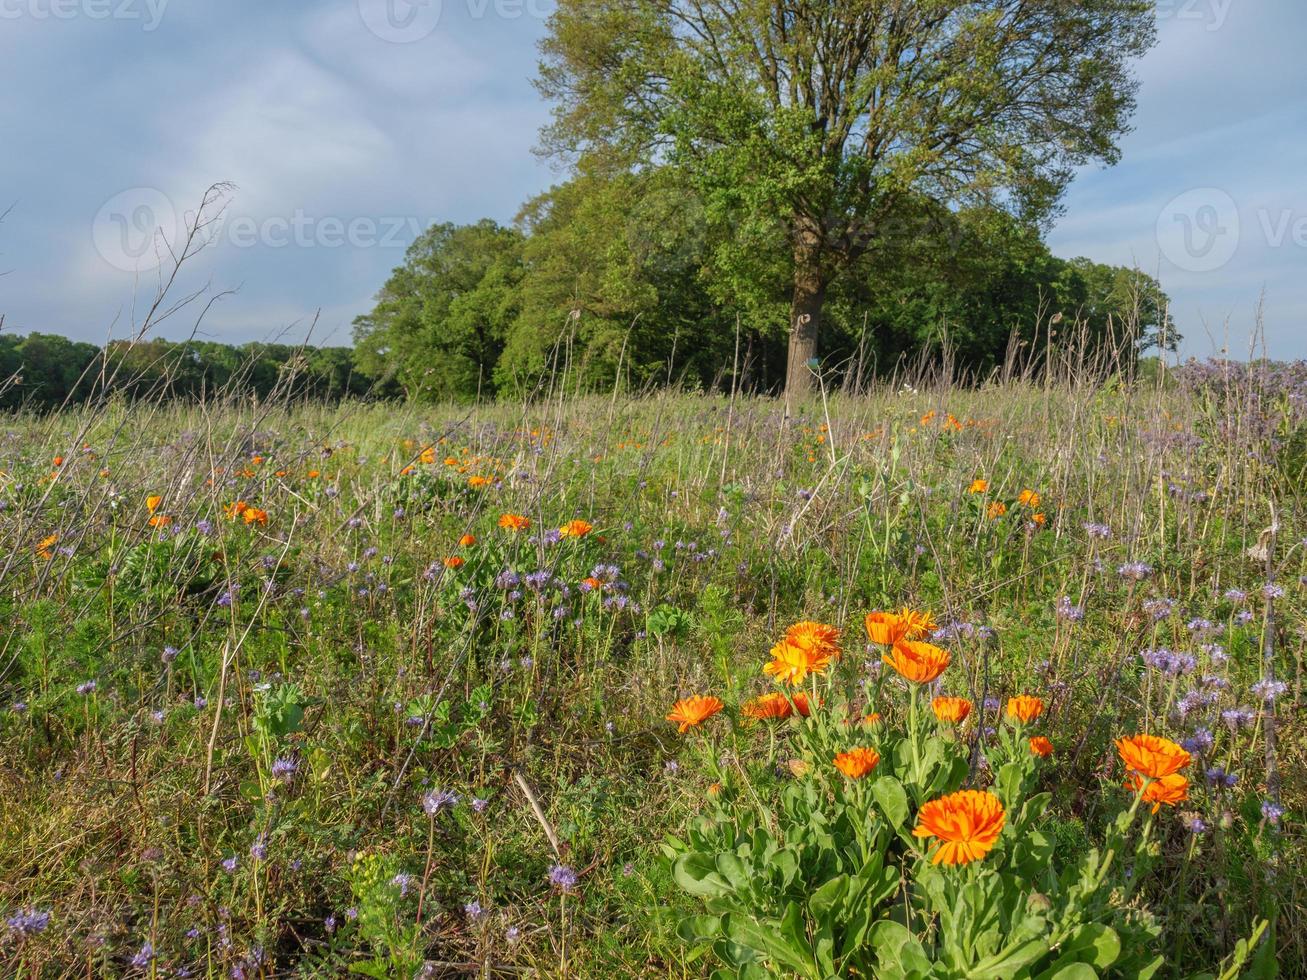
805,319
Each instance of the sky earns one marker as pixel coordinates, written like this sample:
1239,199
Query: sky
345,127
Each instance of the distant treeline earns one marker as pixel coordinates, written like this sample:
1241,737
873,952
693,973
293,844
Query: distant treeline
633,280
43,371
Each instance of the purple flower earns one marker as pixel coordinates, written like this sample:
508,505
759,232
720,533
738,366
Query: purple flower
1135,570
1272,813
1268,690
1069,612
143,958
437,800
562,877
86,687
1219,777
1159,609
284,769
479,805
169,654
230,864
28,922
1236,595
473,910
403,881
1272,591
1101,531
1194,823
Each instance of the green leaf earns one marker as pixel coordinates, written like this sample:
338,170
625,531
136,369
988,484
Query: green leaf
891,799
696,873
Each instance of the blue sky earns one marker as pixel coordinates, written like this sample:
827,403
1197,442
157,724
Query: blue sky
347,126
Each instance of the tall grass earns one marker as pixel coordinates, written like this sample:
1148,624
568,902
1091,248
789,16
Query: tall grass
241,792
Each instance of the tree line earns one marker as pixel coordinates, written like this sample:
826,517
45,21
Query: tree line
42,371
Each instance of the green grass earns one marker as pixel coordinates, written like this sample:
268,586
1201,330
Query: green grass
117,819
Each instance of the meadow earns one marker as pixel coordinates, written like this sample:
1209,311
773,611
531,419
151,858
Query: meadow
384,690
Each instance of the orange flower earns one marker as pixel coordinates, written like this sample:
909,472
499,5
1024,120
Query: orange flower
769,706
872,719
978,486
1024,708
428,455
1028,498
235,510
1170,789
1041,747
777,706
514,522
1151,756
856,763
160,520
887,628
466,541
576,529
454,562
690,712
792,663
967,823
817,637
252,515
917,661
58,461
313,474
43,547
477,482
152,503
996,510
954,710
1038,519
593,583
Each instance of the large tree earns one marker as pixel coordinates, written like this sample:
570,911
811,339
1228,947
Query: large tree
826,116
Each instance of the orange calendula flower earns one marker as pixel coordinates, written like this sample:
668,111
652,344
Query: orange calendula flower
815,636
966,823
996,510
453,562
769,706
1024,708
479,482
953,710
978,486
776,706
236,509
1170,789
313,474
514,522
1038,519
152,503
691,712
45,544
917,661
792,663
252,515
576,529
428,455
1041,747
58,461
160,520
857,763
1152,756
1028,498
872,719
887,628
467,541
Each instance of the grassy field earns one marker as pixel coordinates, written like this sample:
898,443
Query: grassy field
321,707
